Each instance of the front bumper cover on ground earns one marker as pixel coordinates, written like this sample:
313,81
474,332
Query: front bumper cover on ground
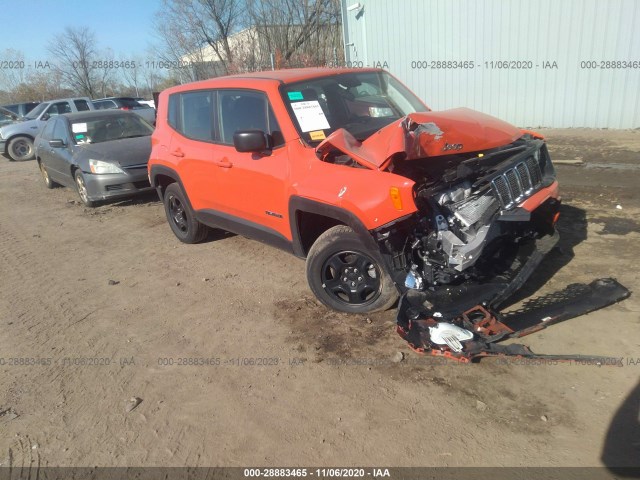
475,308
414,322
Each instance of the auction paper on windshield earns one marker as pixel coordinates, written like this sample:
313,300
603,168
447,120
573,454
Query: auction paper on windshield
310,116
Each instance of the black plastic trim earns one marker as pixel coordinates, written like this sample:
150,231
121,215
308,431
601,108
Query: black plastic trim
231,223
169,172
301,205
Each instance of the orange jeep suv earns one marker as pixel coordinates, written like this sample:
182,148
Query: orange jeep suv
350,170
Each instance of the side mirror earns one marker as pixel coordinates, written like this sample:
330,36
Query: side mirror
45,117
57,143
252,141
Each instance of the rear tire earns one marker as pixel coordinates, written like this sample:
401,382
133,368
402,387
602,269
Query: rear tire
181,218
346,276
45,176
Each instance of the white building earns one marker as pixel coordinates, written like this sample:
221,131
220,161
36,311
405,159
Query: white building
549,63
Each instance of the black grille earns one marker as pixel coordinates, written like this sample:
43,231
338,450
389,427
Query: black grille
517,183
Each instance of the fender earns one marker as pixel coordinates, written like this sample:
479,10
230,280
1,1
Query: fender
302,204
169,172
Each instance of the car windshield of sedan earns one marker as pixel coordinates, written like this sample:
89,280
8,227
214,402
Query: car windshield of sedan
361,103
106,129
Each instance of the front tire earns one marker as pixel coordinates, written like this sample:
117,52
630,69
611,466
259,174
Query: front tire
20,148
81,188
346,276
181,218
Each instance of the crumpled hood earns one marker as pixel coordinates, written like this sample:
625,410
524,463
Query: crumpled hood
124,152
427,134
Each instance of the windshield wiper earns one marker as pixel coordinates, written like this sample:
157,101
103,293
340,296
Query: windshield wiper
136,136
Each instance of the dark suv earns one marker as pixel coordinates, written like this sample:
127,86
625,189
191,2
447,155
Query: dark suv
21,109
127,103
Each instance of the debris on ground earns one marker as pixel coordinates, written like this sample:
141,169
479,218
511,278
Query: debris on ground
132,403
398,357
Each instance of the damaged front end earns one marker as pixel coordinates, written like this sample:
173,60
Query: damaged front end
484,222
486,202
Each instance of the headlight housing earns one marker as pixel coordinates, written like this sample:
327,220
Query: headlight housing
99,167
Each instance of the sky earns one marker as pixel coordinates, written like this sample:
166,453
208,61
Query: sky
125,26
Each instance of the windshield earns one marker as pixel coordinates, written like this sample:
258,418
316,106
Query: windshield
7,115
106,129
361,103
36,111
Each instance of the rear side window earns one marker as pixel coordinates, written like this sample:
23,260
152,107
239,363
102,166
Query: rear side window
196,115
172,119
81,105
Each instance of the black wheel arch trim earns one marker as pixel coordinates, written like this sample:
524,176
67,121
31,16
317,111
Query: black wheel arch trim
171,173
299,204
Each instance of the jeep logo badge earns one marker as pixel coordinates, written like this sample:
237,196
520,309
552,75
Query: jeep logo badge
452,146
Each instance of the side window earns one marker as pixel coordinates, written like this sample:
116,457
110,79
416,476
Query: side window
47,133
246,110
58,108
81,105
196,115
60,130
172,117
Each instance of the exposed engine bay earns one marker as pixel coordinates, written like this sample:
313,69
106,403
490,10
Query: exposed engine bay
469,227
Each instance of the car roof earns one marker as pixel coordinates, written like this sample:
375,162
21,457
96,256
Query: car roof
69,99
113,98
19,103
284,76
94,115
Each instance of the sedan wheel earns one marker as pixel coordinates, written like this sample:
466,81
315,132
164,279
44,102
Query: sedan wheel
21,148
81,187
45,176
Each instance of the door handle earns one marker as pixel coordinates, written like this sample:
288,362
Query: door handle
225,163
177,153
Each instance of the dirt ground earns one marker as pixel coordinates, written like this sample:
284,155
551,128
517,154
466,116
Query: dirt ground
96,304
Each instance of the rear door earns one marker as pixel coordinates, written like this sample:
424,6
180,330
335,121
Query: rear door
191,116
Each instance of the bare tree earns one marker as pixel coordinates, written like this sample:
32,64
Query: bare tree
74,52
226,36
189,27
308,29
